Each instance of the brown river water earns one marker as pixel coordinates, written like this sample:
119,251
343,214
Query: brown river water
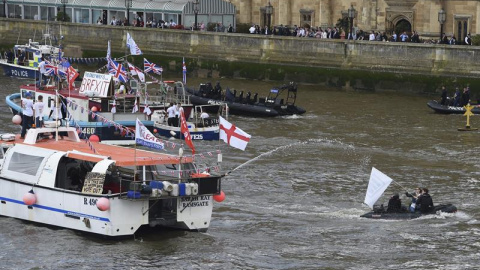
295,197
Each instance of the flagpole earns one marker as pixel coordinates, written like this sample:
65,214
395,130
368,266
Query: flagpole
56,109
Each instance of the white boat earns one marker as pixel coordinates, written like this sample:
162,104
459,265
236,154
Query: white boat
205,128
25,58
101,189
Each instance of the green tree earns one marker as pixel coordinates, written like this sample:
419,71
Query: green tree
343,24
60,16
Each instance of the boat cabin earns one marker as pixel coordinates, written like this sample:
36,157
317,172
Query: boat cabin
31,54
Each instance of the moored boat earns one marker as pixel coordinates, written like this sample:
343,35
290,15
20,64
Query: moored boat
24,60
201,125
101,189
280,101
96,109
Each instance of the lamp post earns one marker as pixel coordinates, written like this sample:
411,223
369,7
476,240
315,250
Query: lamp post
64,2
5,8
268,12
441,19
195,10
351,16
128,5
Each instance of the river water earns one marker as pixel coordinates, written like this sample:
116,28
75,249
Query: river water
296,200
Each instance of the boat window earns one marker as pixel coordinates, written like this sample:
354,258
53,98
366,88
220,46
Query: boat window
24,163
71,173
117,179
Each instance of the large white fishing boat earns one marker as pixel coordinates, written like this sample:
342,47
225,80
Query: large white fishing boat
101,189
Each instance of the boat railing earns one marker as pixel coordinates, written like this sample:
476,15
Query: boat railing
168,187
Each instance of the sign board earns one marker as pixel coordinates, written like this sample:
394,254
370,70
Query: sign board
93,183
95,84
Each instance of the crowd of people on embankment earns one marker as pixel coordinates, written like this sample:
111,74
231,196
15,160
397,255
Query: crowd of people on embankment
338,33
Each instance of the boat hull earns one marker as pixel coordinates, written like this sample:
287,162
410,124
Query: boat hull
445,109
382,214
205,134
255,110
18,71
78,211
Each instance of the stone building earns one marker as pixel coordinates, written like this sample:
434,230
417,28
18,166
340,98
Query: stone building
461,17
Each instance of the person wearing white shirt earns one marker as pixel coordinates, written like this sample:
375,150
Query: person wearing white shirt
372,36
252,29
27,118
171,115
43,70
177,114
38,110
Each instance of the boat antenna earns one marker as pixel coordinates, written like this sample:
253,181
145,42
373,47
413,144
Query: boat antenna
18,38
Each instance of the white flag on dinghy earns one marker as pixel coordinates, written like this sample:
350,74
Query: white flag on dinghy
376,186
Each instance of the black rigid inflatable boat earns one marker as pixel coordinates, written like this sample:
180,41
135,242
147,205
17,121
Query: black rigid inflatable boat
381,212
447,109
280,101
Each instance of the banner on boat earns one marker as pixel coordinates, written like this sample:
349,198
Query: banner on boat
95,84
376,186
144,137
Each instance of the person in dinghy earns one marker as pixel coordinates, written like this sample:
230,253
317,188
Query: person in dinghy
422,205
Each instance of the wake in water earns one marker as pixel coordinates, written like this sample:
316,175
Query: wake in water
284,147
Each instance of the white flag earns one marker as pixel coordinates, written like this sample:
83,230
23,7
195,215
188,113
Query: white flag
109,52
134,49
232,135
135,106
376,186
144,137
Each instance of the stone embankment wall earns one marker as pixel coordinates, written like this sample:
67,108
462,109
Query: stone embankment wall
267,57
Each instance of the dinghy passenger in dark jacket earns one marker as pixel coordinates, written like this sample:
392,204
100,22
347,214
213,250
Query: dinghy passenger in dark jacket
425,201
394,204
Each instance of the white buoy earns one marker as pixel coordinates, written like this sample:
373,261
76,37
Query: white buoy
17,119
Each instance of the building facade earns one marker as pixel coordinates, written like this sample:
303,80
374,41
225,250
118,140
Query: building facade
461,17
182,12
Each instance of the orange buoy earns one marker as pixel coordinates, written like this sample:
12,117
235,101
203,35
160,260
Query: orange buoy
103,204
94,138
219,197
29,198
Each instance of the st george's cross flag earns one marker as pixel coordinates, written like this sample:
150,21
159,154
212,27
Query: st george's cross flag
136,71
232,135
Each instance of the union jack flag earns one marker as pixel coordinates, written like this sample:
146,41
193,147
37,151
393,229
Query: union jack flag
50,69
117,70
151,67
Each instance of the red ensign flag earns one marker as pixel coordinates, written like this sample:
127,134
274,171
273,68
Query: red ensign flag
185,132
